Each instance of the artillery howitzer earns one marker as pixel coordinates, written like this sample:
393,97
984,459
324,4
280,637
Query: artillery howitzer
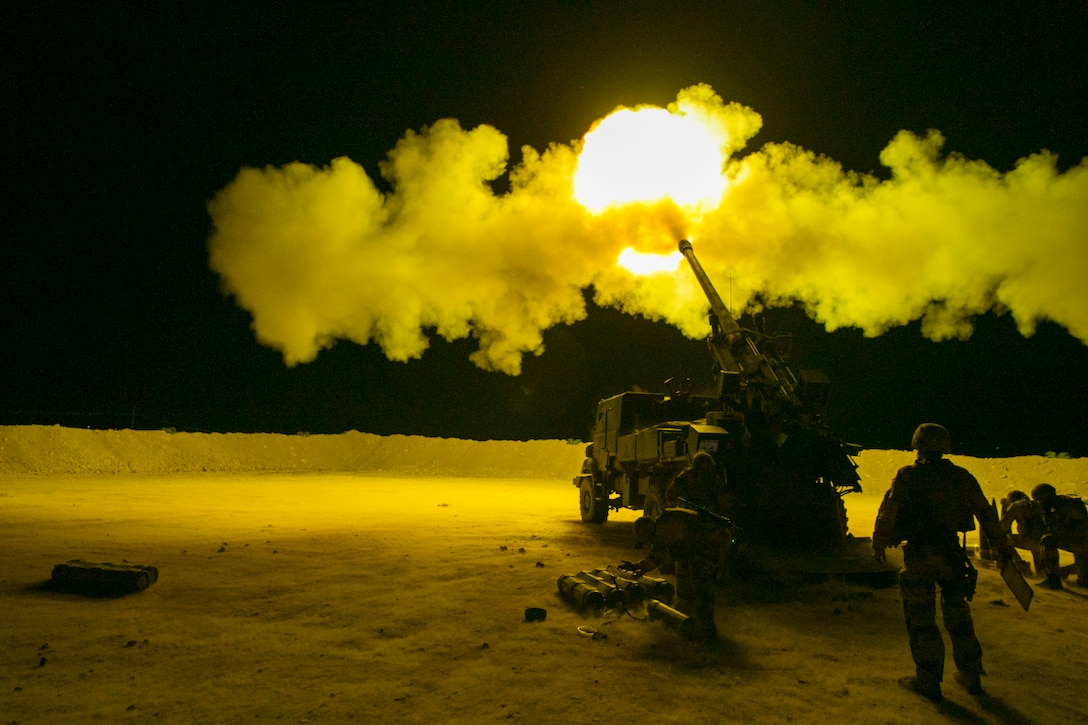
785,472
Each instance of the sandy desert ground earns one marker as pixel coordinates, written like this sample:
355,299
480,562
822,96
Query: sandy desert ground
357,578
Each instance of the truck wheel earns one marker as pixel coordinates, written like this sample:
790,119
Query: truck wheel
844,524
594,509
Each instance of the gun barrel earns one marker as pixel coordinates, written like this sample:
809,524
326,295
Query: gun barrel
728,325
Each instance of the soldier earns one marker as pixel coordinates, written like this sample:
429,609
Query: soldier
1023,521
693,543
697,572
929,502
699,483
1066,528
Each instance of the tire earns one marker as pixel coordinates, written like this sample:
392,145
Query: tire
844,524
593,507
833,526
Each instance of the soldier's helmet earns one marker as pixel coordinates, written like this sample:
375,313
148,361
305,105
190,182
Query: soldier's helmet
931,438
703,462
1044,492
1016,495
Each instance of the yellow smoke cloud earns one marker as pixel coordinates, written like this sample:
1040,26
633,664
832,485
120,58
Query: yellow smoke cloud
319,254
943,240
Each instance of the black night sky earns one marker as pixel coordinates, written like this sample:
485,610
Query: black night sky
122,120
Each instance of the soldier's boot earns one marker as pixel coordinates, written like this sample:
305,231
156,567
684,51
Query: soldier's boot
1080,567
970,682
706,631
925,688
1052,581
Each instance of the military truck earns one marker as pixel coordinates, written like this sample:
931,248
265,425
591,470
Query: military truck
764,425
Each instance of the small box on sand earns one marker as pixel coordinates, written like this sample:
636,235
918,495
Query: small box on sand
103,578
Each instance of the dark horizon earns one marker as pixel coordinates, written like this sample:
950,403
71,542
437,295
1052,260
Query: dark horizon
124,122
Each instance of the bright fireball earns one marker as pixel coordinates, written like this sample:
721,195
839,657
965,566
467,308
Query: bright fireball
648,155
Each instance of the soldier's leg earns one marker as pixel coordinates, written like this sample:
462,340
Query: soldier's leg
918,591
685,589
1023,542
1038,558
1080,561
956,614
1051,563
703,570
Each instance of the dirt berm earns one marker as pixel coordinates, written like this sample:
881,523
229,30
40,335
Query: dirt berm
53,450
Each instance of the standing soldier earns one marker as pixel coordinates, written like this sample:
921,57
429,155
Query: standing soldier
702,486
929,502
691,538
1067,528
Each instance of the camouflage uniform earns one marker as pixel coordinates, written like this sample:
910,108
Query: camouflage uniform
1066,528
1023,521
929,502
699,560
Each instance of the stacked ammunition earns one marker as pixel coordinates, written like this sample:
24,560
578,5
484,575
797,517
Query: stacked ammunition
582,594
672,618
640,586
601,588
616,589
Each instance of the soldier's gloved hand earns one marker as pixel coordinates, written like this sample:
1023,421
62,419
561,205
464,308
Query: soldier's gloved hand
648,564
879,555
1007,553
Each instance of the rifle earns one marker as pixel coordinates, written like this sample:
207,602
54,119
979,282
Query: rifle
970,578
723,521
970,573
